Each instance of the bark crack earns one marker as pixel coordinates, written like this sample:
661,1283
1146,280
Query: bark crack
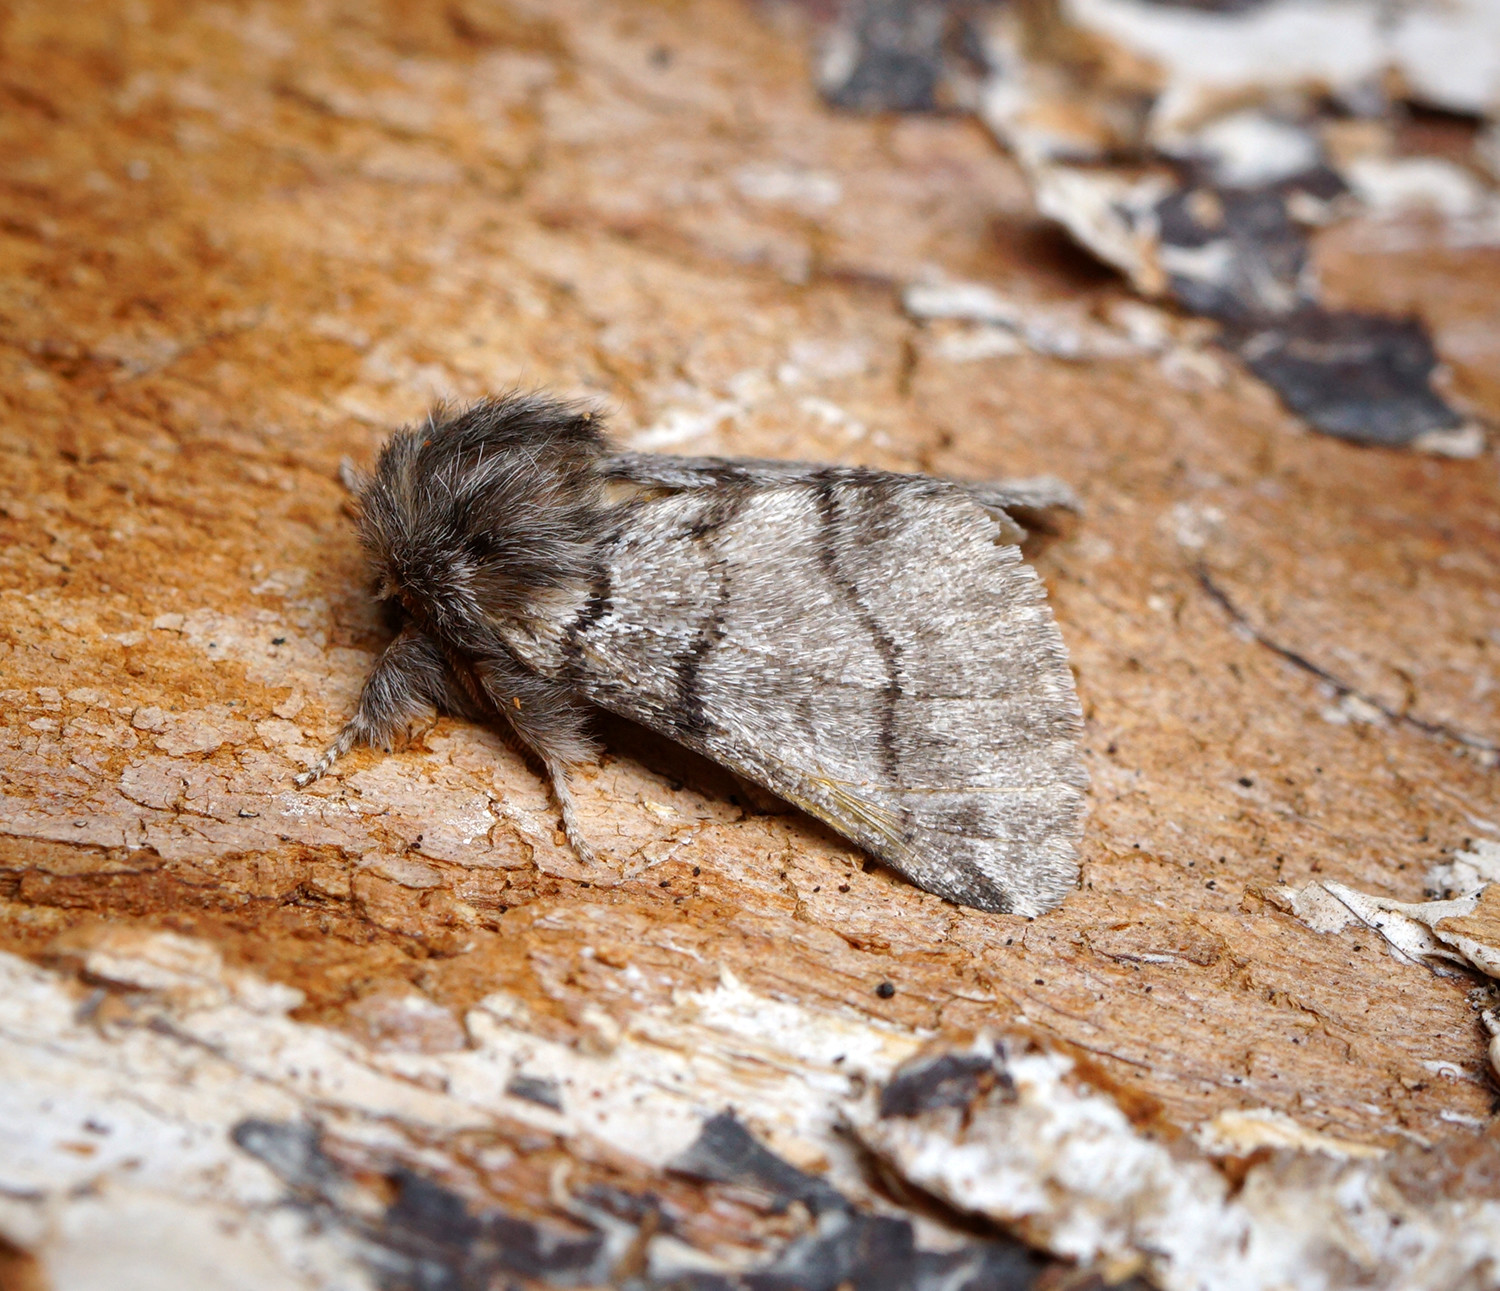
1438,730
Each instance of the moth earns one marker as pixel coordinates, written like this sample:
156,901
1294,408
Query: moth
868,646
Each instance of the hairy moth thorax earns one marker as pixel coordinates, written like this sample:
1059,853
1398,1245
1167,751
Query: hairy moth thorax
481,519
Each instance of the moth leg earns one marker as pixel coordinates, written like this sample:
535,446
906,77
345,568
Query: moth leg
551,725
408,678
559,775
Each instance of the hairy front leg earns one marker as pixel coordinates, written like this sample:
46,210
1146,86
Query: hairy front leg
551,724
410,678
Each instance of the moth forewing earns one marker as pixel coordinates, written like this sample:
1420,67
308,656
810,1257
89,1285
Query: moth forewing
861,646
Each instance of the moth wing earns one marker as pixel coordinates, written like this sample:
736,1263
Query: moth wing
1039,504
866,647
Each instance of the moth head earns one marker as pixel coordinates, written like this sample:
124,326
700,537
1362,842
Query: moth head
476,518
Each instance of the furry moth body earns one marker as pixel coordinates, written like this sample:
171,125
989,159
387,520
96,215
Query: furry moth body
868,646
